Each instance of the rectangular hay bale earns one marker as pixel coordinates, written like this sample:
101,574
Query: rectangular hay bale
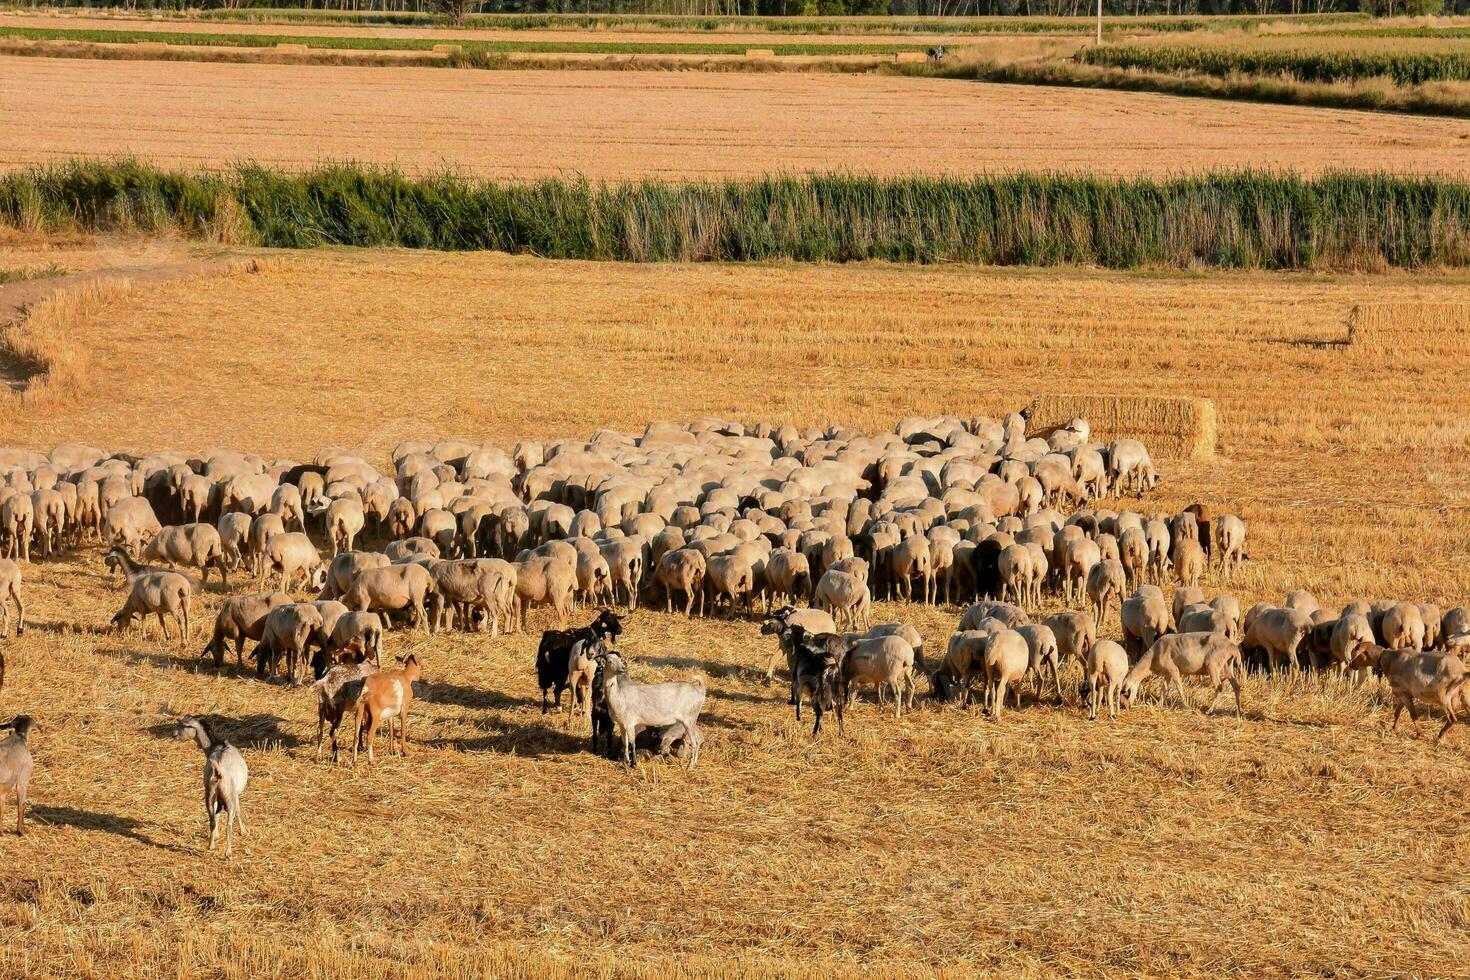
1438,324
292,48
449,49
911,57
761,54
1171,426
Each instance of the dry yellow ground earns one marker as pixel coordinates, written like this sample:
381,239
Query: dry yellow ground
526,124
1302,839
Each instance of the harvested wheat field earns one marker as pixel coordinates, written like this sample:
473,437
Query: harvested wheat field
623,126
1301,839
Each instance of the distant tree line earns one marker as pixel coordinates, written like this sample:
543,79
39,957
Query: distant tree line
824,8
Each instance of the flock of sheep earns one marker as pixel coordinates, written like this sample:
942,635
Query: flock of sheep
712,517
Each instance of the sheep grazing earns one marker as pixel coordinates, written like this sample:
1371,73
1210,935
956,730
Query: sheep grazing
1412,675
554,653
1179,654
193,545
240,618
10,592
634,707
845,596
880,660
1106,583
225,776
1007,658
392,589
386,696
153,592
1104,671
15,767
288,632
682,570
1274,635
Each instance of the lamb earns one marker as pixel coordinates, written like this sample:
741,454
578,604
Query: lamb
964,660
225,776
1018,575
153,592
1179,654
240,618
49,510
624,557
1045,655
15,767
234,537
1078,556
344,568
845,596
386,695
1413,675
193,545
411,549
910,560
788,577
10,592
1133,552
682,569
391,589
1012,616
1104,671
1199,618
638,706
1130,468
1106,583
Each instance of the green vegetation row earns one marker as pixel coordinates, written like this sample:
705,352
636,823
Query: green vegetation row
797,24
345,43
1233,220
1404,68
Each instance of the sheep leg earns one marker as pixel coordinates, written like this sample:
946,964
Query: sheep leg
3,795
163,623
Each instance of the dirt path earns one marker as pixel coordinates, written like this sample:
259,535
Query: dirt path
17,297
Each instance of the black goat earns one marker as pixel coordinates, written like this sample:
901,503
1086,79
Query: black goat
554,655
817,672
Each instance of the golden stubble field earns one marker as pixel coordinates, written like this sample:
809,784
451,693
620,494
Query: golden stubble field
1302,839
635,125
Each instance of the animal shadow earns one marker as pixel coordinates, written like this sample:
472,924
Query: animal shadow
258,731
107,823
